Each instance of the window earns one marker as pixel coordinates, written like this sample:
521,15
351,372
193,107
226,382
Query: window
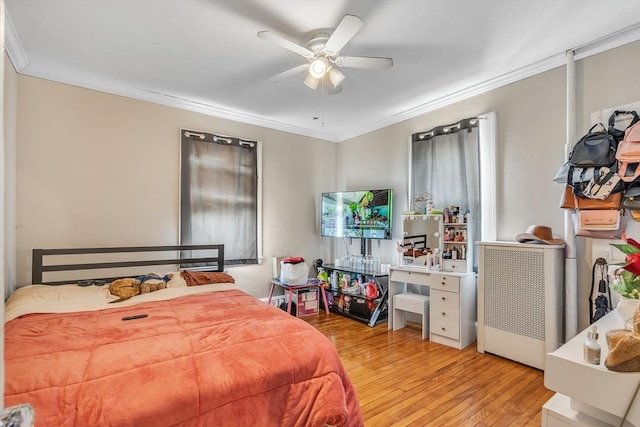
455,164
220,194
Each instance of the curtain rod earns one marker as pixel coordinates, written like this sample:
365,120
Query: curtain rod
445,129
210,137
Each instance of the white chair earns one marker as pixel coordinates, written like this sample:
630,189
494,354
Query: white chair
413,303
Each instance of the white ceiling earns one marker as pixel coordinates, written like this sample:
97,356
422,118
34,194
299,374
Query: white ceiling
204,55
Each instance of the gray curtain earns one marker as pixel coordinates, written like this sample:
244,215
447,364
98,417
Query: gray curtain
445,163
219,182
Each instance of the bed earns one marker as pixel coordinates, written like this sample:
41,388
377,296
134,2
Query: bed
206,355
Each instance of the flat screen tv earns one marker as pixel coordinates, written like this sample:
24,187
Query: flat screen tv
361,214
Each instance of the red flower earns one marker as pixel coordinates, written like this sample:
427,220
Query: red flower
631,242
633,263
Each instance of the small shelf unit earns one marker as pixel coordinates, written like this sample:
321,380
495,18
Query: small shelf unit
456,250
351,301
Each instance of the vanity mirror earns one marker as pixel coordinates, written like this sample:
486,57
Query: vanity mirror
422,234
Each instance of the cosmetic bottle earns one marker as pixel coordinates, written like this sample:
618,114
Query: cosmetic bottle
591,347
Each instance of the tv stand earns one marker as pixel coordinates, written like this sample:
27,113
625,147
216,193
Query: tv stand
351,301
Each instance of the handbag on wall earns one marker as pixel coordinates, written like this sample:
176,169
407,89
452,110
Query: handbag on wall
605,181
599,234
569,174
631,198
594,149
617,133
599,219
570,201
629,172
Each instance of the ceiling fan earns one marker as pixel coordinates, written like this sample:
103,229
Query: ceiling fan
323,55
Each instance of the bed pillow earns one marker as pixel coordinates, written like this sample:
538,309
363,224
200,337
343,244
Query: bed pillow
195,278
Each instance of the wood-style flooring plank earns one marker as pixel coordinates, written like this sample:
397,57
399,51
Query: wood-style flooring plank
402,380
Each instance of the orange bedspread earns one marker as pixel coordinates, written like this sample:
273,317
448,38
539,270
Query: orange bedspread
213,359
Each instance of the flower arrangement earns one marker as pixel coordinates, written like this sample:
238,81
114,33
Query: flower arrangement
627,278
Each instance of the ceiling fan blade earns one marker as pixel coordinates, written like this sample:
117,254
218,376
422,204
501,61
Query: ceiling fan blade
366,62
346,29
287,44
290,72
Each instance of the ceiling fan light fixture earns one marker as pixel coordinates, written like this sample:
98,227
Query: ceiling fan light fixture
334,90
336,77
318,67
311,82
322,54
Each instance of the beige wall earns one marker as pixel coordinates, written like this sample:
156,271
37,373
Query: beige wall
531,134
101,170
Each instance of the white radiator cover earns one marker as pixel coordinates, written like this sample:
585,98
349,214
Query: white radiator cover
520,300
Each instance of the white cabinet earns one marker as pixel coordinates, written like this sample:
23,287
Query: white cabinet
589,395
520,300
452,307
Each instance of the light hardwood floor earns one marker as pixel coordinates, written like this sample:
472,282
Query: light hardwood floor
402,380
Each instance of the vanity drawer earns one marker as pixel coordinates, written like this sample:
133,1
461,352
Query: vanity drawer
443,298
417,277
445,282
443,312
457,266
446,327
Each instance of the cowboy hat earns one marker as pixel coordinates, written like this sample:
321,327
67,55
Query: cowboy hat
539,234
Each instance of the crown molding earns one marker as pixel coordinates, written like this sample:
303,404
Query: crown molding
179,103
617,39
14,49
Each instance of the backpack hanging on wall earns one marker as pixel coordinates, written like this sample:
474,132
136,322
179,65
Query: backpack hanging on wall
596,148
628,154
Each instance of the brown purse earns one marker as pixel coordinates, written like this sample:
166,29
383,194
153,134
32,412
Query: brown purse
570,200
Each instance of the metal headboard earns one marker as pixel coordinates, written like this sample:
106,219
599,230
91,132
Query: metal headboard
213,263
419,240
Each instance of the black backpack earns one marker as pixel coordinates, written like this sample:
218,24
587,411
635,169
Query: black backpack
594,149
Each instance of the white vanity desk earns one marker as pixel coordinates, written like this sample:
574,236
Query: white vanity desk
452,310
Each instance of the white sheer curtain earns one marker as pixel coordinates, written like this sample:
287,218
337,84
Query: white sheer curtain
219,200
445,163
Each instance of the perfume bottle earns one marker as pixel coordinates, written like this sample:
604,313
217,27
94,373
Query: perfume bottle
591,347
